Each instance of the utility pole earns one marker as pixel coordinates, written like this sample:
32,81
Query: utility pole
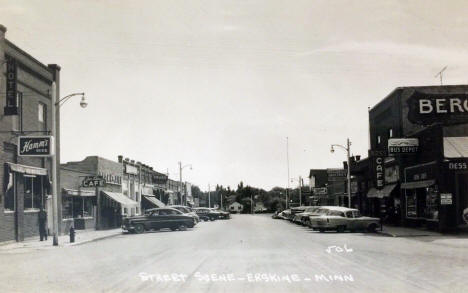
300,191
209,196
180,184
348,144
287,159
54,168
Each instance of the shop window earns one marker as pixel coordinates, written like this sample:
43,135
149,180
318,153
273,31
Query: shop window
67,207
9,199
16,120
28,192
82,207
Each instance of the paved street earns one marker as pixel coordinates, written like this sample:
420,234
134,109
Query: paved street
244,254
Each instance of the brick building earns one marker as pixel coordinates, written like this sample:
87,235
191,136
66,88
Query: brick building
106,206
429,186
24,181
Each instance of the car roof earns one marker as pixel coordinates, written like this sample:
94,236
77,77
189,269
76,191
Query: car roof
341,209
157,209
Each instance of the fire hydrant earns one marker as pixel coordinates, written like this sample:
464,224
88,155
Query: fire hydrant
72,235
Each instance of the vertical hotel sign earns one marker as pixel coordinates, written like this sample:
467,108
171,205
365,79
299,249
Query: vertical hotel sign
11,107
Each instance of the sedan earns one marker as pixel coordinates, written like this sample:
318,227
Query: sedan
159,218
341,219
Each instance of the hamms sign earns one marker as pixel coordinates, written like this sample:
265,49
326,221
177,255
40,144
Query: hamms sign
426,109
35,146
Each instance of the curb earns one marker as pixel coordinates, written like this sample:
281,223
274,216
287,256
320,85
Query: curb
93,240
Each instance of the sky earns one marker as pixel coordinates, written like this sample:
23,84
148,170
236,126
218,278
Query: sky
223,85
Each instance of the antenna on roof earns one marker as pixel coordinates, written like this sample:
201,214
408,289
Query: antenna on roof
440,74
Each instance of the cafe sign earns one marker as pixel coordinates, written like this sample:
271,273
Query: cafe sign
378,160
403,146
426,109
35,146
93,181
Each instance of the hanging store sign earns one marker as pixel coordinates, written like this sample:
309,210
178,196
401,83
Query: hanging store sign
445,198
403,146
378,160
11,107
35,146
426,109
93,181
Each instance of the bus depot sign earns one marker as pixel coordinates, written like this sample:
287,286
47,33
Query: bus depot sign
35,146
93,181
426,109
403,146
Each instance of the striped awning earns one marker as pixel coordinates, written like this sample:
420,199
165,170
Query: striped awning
120,198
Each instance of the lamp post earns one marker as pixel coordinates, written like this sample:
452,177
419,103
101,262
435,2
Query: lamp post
55,105
347,148
180,181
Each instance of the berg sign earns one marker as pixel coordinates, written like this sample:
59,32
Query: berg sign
426,109
35,146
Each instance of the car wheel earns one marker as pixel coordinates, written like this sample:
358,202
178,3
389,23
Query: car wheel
212,219
191,225
321,230
205,219
307,223
182,227
372,228
340,229
139,228
173,228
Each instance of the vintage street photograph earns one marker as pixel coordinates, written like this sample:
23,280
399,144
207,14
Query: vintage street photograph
234,146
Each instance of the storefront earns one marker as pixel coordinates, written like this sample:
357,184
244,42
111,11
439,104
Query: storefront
78,209
26,192
114,205
421,194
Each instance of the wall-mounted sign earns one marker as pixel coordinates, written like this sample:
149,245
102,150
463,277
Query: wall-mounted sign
445,198
35,146
425,109
129,169
403,145
93,181
337,174
378,160
457,165
320,191
11,107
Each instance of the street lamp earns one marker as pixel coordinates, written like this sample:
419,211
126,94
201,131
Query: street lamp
180,180
347,148
56,105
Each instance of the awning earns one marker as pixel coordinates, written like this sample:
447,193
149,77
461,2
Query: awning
384,192
455,147
27,169
156,202
74,192
417,184
120,198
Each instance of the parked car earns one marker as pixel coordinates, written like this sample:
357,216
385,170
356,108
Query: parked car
303,218
285,214
206,214
186,210
295,211
341,219
222,214
158,218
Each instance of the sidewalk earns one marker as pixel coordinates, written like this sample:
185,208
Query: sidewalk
397,231
82,236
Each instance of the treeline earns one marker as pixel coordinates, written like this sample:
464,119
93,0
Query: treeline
262,200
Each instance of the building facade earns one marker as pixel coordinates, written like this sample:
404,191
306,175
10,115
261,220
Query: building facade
427,184
25,88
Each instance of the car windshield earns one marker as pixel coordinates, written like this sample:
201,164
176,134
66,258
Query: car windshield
321,211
